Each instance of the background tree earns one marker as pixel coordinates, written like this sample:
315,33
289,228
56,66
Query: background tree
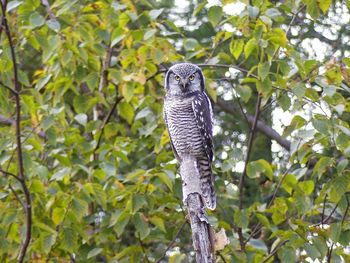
96,158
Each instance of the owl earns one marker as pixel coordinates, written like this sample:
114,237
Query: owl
189,119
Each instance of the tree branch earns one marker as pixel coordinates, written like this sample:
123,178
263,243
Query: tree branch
172,241
201,232
48,9
275,250
10,174
260,126
244,174
10,121
27,205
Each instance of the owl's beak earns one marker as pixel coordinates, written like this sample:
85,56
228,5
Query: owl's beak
183,85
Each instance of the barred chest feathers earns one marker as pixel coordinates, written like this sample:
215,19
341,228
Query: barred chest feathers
182,126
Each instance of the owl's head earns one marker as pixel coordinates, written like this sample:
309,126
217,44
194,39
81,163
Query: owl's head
184,79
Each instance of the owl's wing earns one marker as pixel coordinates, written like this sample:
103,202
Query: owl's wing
171,142
204,117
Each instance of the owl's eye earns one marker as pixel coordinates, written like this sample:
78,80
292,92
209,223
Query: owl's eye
191,77
177,78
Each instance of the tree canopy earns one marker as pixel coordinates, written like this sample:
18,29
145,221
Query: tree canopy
86,169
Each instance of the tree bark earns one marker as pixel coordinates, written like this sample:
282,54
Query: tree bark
201,232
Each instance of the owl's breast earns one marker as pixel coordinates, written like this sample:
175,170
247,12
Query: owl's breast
182,127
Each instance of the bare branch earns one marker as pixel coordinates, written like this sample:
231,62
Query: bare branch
11,174
27,205
172,241
244,173
9,88
107,119
48,9
17,197
201,232
260,126
275,250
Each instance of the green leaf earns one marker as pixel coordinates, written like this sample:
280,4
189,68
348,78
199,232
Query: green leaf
57,215
339,187
166,180
215,14
253,11
263,69
307,186
36,20
312,251
273,13
321,166
190,44
100,195
155,13
324,5
81,118
249,47
321,125
258,244
126,111
241,218
263,219
284,101
265,87
320,244
54,25
278,37
117,36
127,90
79,207
236,47
149,33
199,8
286,254
69,238
255,168
158,222
94,252
142,228
312,8
177,257
342,165
42,82
335,231
121,223
244,92
12,5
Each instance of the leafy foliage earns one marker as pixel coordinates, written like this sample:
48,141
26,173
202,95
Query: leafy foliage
96,155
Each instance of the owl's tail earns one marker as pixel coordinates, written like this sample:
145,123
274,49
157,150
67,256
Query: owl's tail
207,183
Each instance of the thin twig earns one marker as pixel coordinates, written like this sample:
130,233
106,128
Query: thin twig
323,209
17,197
275,250
11,174
244,173
258,226
172,241
9,88
346,210
48,9
105,121
327,218
249,148
21,174
222,257
329,253
143,249
105,64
